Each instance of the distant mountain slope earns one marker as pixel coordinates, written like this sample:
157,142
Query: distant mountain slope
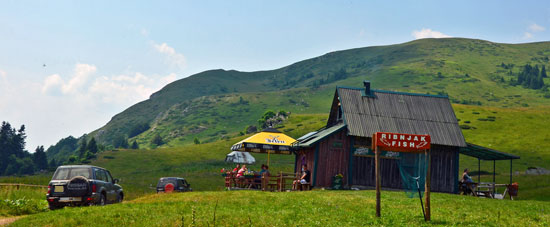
468,70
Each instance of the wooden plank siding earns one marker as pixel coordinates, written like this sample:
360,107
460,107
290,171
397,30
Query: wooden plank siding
443,168
332,159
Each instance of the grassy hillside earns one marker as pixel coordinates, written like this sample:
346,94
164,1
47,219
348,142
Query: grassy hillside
469,71
317,208
200,164
139,169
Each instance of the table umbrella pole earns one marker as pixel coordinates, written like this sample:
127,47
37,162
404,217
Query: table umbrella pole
268,158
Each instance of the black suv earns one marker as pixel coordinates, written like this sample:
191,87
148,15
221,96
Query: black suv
173,184
82,185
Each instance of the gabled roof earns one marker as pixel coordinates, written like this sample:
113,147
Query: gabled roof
313,137
399,112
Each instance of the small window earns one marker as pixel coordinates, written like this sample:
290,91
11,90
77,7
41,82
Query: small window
108,177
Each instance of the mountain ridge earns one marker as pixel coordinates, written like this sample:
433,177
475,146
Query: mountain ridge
465,69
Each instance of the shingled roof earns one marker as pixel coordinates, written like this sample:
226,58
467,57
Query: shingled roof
366,111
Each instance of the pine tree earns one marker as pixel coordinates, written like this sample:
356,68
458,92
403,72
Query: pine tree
196,140
92,146
82,148
543,72
135,145
39,158
157,140
52,165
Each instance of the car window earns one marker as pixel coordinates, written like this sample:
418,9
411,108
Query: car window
181,183
108,176
164,182
68,173
100,175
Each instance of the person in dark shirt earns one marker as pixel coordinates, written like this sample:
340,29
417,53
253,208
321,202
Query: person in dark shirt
466,177
304,179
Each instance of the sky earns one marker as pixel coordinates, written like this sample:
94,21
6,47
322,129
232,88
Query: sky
67,67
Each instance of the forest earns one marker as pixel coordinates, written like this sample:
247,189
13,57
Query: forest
14,159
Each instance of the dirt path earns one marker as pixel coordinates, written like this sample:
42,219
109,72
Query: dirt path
9,220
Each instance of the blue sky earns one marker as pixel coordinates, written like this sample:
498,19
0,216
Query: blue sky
103,56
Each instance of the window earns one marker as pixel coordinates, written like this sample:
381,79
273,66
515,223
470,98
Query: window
68,173
109,178
100,175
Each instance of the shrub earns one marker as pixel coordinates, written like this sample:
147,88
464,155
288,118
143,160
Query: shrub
465,127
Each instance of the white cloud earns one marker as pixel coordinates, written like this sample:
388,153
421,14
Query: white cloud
3,75
55,83
116,89
173,57
81,74
527,35
52,83
536,28
428,33
123,89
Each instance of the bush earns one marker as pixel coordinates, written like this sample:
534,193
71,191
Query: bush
465,127
23,206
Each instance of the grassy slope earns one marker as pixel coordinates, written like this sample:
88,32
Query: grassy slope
317,208
411,66
200,164
519,131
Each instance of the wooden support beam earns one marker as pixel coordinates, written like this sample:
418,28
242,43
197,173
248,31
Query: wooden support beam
428,185
377,173
511,171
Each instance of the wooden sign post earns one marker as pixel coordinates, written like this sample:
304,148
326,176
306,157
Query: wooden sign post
402,143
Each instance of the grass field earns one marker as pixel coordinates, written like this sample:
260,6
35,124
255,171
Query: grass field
22,200
312,208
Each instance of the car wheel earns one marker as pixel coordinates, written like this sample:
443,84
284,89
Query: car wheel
102,200
119,198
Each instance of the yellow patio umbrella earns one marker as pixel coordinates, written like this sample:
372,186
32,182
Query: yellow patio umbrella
268,141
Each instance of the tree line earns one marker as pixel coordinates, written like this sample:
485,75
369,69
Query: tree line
14,159
531,77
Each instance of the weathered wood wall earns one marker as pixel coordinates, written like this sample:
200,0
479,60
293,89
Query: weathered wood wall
333,160
444,170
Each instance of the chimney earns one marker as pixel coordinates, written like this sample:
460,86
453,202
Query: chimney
366,83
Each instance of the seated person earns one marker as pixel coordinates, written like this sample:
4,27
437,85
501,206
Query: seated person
466,182
465,177
241,171
236,168
265,170
304,179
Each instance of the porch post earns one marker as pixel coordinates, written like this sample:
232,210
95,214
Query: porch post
478,170
494,171
377,173
427,189
511,171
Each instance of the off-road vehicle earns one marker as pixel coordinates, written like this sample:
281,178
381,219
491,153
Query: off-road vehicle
173,184
75,185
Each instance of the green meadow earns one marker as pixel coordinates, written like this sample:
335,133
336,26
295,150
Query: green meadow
311,208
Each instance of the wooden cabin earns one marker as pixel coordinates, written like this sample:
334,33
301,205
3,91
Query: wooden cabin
344,145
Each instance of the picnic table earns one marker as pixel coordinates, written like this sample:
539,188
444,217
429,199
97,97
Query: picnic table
279,182
490,189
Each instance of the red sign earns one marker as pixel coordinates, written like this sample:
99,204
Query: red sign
402,142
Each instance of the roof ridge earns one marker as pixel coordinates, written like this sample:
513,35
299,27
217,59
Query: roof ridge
395,92
414,119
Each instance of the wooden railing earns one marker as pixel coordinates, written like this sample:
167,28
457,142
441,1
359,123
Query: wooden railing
23,185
